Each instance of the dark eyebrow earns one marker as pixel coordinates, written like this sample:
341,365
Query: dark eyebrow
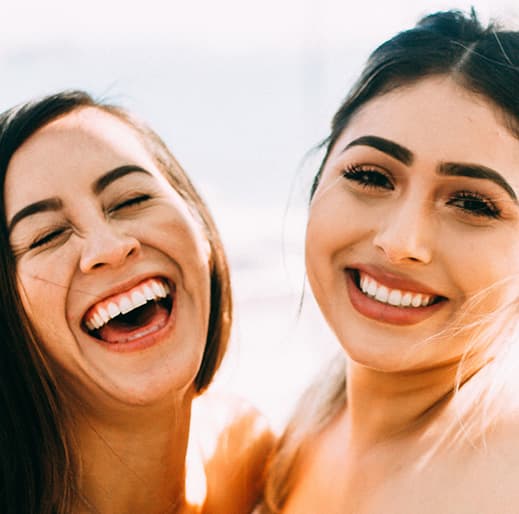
55,204
111,176
451,169
384,145
454,169
50,204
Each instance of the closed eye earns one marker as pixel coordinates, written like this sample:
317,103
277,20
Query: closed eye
130,202
368,177
47,238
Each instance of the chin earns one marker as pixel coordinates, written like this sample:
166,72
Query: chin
153,392
382,354
106,388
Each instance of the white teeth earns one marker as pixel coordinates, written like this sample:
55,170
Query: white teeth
382,294
406,299
393,297
138,299
97,320
148,293
417,300
113,310
157,289
125,305
102,314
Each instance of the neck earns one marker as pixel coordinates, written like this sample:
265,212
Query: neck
134,460
383,406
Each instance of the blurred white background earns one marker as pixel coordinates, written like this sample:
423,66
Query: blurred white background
240,91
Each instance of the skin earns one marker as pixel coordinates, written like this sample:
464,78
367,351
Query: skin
133,426
412,225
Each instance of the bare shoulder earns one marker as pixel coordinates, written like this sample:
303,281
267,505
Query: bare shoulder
502,442
235,441
494,472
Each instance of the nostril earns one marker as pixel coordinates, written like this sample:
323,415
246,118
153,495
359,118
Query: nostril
108,248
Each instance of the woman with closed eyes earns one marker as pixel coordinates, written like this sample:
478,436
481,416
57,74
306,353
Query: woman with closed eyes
412,252
115,314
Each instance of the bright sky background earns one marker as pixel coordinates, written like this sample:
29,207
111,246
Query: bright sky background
220,25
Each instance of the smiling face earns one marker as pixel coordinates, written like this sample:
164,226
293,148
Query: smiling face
415,213
113,267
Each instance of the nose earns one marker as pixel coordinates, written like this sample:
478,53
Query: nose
405,234
106,246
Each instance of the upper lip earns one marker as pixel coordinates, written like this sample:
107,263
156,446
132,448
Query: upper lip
122,287
395,281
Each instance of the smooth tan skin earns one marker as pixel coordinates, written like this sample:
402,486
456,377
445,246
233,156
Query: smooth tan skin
133,416
376,456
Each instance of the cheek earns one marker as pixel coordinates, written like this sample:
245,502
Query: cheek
336,224
482,266
179,237
43,291
327,239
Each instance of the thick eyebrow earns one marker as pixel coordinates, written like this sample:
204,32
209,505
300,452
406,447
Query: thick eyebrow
111,176
55,204
49,204
454,169
393,149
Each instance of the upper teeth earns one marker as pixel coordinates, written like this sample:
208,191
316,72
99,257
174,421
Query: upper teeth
112,307
395,297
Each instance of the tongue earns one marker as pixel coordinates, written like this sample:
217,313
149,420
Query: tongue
141,321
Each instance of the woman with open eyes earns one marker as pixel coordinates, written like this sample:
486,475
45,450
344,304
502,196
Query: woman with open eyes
115,314
412,252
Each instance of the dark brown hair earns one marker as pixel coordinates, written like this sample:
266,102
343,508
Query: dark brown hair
484,61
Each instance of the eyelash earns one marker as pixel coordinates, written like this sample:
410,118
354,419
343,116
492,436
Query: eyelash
130,202
46,238
484,208
372,179
56,233
368,178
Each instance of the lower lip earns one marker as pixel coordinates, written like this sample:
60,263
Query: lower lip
383,312
147,340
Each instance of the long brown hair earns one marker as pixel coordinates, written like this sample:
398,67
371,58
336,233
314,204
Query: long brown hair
38,464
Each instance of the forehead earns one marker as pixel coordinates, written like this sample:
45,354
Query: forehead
70,152
437,119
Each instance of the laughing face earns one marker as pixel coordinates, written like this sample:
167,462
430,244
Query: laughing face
416,214
113,267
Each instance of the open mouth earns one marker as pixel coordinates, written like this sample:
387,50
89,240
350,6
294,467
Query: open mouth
131,315
369,287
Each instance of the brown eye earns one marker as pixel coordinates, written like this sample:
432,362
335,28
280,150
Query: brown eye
475,204
368,178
